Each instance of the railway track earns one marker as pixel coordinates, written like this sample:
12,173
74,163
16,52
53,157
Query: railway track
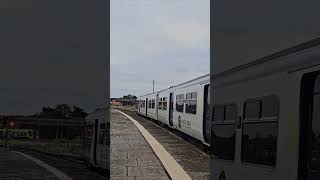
74,158
74,166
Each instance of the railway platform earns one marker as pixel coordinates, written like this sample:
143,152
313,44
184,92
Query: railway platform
32,165
158,155
131,156
16,166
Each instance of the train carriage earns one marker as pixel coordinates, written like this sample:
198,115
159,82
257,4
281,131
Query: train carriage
189,109
149,105
96,146
184,107
18,133
265,119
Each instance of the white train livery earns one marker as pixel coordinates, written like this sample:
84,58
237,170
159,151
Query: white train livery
184,107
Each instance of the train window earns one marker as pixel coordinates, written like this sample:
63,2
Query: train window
259,143
191,103
191,106
179,106
218,113
88,135
102,133
164,103
153,103
180,103
223,141
252,110
315,158
160,104
149,104
259,137
224,132
230,112
180,97
269,107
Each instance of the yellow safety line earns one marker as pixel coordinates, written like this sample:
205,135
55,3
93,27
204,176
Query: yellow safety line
176,172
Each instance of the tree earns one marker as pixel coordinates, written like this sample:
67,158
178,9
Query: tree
48,112
78,112
129,96
63,110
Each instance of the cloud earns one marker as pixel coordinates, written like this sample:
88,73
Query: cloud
166,41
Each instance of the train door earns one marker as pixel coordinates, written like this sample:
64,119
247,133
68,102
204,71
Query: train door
147,103
206,115
102,146
309,157
156,105
96,125
171,109
88,140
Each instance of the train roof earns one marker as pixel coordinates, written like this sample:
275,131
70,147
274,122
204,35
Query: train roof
274,58
201,78
150,94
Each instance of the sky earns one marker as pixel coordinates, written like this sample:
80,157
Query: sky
163,40
52,52
247,30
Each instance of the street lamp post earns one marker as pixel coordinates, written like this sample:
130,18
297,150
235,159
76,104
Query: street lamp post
153,86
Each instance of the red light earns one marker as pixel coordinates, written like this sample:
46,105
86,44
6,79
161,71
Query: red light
11,124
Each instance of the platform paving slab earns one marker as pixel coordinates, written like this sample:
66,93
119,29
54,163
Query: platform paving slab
131,156
193,161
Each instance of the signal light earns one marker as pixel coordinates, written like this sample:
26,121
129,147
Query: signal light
11,124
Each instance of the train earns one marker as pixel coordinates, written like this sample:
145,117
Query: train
263,118
184,107
96,140
266,116
18,133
